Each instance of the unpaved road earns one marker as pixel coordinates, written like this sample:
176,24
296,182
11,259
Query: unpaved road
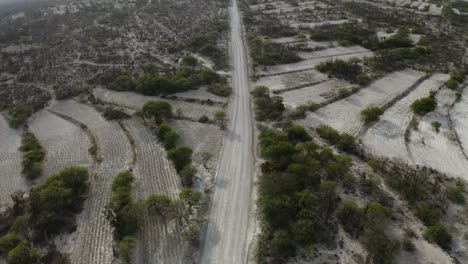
226,234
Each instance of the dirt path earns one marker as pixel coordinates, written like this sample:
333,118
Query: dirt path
226,234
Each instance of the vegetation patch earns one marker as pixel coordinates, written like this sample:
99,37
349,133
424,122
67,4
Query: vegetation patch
267,108
371,114
33,156
350,71
424,105
268,53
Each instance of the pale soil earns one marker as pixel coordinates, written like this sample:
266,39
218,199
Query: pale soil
201,94
136,101
316,93
11,178
387,137
201,138
92,242
344,115
65,143
323,23
284,81
438,150
310,63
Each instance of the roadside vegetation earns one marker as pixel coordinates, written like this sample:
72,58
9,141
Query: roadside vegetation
267,108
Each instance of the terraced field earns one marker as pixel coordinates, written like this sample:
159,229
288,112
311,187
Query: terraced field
136,101
94,234
387,137
285,81
315,93
158,242
438,150
344,115
65,143
10,163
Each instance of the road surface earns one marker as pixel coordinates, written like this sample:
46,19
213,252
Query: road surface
226,235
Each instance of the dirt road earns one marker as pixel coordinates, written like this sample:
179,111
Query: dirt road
226,236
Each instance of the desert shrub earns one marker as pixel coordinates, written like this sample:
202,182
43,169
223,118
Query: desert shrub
167,136
346,143
180,156
456,194
267,108
123,82
429,216
304,232
23,254
436,125
299,112
282,244
350,216
220,90
408,245
328,133
121,211
186,175
125,247
297,134
18,115
371,114
268,53
341,69
439,234
112,113
8,242
33,155
451,84
54,202
424,105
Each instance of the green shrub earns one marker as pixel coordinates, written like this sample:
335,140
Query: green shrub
180,156
341,69
350,216
297,134
429,216
456,194
125,247
18,115
452,84
328,133
436,126
408,245
112,113
8,242
346,143
220,90
371,114
33,156
424,105
159,110
439,234
186,174
23,254
282,244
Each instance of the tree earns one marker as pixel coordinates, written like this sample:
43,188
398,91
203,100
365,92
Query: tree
186,174
328,133
327,198
371,114
160,205
424,105
180,156
126,246
159,110
346,143
439,235
281,245
9,242
280,154
220,117
23,254
304,231
350,216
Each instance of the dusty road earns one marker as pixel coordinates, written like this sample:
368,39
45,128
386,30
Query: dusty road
226,236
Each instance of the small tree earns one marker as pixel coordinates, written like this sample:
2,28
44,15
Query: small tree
160,205
220,117
159,110
350,216
180,156
371,114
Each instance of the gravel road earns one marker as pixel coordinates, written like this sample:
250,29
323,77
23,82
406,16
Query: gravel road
226,234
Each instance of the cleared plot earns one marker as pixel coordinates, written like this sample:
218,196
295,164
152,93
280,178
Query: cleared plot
438,150
287,9
66,144
323,23
94,236
136,101
158,242
316,93
284,81
201,94
201,138
316,57
11,179
387,137
344,115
